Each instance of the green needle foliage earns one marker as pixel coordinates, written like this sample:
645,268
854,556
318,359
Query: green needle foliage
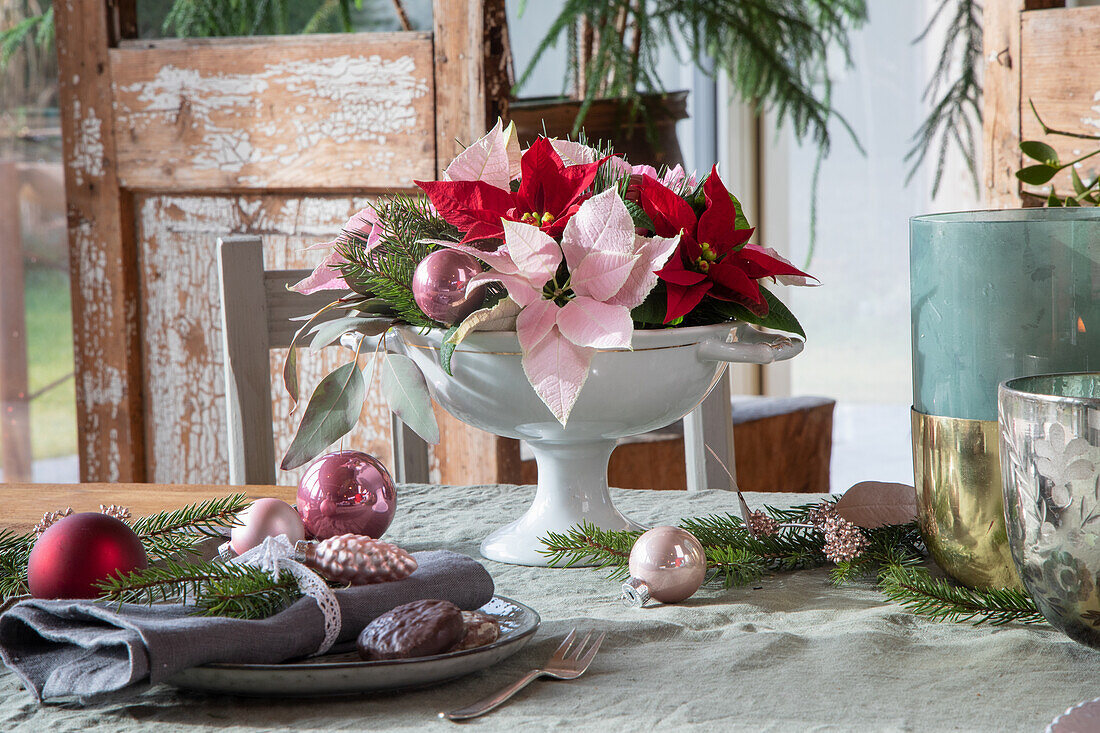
774,53
939,599
894,555
15,549
386,271
172,533
212,588
955,92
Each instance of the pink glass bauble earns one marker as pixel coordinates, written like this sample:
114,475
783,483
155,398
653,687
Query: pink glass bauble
79,551
666,564
439,286
262,519
347,492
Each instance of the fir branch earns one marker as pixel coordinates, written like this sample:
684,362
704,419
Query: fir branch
211,588
15,550
940,600
587,543
386,270
171,533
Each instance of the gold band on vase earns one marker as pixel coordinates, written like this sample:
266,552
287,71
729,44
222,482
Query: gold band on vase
960,504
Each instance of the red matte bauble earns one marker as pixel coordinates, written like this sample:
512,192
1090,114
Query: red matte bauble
439,286
78,552
347,492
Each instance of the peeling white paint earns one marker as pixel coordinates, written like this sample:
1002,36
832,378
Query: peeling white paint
1093,121
87,158
181,325
339,100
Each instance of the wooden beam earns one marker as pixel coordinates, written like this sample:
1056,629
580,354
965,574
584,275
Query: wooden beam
15,427
1061,75
101,253
459,83
342,111
1001,103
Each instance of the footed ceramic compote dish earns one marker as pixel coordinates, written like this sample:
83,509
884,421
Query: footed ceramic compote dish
668,373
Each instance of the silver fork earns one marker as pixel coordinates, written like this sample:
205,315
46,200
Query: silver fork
568,663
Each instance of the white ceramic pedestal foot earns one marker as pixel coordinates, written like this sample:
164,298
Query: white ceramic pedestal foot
572,489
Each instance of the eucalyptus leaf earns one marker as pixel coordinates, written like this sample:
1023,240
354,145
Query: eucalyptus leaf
332,412
1036,175
1053,200
447,350
1078,185
406,391
290,364
329,332
1040,151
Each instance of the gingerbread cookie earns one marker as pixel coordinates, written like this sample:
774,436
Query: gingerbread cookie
416,629
480,629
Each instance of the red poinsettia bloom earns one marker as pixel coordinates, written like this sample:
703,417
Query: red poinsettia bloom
712,257
549,193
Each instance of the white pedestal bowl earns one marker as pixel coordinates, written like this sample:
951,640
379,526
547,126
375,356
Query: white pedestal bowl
668,374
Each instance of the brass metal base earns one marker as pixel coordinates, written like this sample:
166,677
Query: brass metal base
960,501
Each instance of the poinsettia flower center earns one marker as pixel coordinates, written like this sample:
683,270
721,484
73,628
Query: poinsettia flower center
560,294
704,260
537,219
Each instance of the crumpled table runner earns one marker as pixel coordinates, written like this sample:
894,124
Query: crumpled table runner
89,650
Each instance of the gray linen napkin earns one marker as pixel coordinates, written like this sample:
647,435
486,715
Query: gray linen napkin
87,649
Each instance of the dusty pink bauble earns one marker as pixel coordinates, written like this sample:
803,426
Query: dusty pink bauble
439,286
666,564
347,492
265,518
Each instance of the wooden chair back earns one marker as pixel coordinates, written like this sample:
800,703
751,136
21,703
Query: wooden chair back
258,313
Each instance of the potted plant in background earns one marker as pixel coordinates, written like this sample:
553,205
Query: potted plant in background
562,296
773,53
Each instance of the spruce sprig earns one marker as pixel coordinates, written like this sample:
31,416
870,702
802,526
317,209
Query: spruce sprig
211,588
734,557
15,549
169,534
386,270
940,600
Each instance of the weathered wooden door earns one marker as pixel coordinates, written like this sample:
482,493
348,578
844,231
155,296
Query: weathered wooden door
170,143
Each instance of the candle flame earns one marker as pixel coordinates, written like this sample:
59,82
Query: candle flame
1080,325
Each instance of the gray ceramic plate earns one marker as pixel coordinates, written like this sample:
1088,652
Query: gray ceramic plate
344,673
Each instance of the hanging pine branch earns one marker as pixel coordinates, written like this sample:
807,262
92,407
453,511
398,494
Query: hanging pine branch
774,53
955,92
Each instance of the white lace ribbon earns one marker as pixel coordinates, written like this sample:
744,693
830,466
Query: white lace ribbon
276,554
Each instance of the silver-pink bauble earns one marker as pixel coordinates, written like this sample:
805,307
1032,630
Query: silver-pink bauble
666,564
265,518
346,492
439,286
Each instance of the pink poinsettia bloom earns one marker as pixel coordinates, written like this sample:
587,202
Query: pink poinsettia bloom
565,319
327,275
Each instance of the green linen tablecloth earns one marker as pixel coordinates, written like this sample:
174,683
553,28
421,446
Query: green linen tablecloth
790,653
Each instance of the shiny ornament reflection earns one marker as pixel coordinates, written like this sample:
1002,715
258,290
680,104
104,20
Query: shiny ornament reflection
666,564
347,492
439,286
262,519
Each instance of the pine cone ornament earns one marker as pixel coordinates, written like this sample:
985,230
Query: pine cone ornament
50,518
358,560
843,540
761,525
